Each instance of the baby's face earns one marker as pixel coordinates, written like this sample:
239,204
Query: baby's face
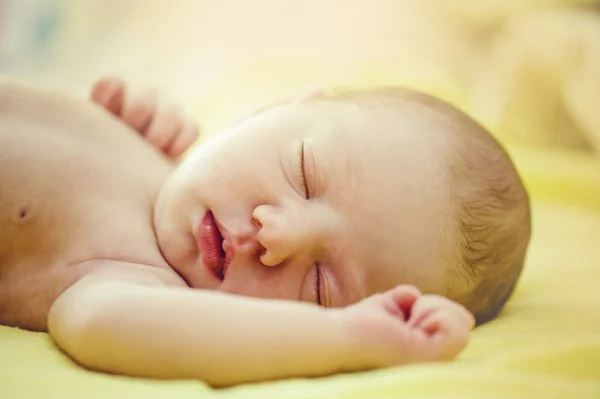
322,202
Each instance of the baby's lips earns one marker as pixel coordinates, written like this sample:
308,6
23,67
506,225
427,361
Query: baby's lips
210,243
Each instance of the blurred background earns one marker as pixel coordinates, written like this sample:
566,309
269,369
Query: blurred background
527,69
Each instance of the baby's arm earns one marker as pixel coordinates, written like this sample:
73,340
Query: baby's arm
135,326
153,115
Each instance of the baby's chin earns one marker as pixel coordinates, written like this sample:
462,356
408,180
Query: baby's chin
174,237
179,254
164,230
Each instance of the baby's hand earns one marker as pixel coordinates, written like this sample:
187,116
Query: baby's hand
404,326
160,120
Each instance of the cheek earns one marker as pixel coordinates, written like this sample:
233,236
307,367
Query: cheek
249,286
256,281
243,182
229,164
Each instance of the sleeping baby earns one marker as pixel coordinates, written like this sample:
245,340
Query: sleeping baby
337,232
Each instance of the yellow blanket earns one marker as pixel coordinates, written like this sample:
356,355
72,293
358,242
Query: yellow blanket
546,344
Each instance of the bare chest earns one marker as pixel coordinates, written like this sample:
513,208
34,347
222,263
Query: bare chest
76,197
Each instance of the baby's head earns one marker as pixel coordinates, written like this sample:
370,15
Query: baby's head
338,197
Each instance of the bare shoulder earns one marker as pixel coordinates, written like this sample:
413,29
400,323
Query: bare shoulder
101,270
28,291
10,86
18,94
105,279
100,294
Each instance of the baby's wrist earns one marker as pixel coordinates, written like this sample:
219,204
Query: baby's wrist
356,348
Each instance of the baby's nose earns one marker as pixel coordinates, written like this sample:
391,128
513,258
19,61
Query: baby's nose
281,233
244,244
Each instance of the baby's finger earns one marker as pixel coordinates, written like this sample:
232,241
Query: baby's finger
139,108
448,334
165,126
109,92
433,305
436,322
425,306
404,298
458,312
465,317
188,135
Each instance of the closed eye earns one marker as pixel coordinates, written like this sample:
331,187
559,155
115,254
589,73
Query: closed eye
301,164
318,279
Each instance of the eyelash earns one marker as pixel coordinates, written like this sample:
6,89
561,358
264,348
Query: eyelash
318,283
303,170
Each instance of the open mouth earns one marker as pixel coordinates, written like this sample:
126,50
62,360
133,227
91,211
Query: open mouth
210,241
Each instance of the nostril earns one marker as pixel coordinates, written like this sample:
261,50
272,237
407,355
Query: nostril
261,248
244,240
262,251
256,224
263,214
247,244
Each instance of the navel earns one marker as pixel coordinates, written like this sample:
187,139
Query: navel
23,212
